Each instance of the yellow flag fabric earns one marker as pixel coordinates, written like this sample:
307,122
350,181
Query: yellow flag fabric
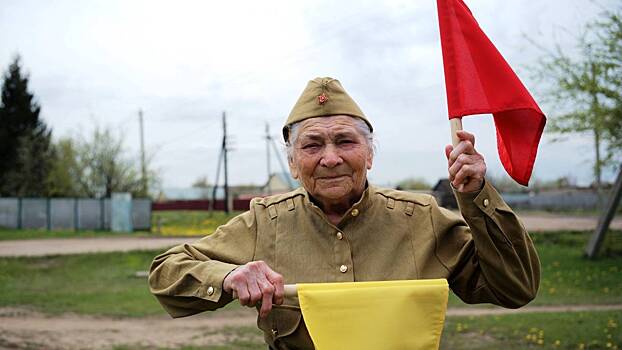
375,315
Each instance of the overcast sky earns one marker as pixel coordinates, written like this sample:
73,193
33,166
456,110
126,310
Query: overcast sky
184,62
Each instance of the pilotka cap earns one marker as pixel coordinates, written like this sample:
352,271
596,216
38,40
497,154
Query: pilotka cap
323,97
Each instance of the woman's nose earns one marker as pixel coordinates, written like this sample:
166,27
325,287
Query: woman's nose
330,157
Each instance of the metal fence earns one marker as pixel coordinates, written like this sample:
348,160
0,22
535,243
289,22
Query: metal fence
559,200
68,213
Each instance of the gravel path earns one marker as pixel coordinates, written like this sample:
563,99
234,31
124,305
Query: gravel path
24,329
39,247
553,222
54,246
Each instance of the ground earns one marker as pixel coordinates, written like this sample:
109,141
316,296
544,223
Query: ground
27,329
540,222
100,301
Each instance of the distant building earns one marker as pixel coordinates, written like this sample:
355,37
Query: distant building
189,193
279,183
444,194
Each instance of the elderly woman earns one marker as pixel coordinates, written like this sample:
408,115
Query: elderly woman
340,228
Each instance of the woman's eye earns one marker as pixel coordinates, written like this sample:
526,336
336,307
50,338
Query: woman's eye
310,146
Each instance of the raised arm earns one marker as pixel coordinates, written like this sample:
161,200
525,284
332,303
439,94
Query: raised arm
491,257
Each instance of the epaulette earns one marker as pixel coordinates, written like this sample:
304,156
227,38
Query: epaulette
277,198
422,199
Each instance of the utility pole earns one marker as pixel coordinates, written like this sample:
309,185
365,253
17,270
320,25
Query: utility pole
268,141
598,236
215,186
283,168
143,167
224,149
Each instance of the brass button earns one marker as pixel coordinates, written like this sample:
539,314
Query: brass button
210,290
339,235
486,202
355,212
343,268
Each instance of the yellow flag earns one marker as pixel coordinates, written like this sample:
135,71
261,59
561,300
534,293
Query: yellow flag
375,315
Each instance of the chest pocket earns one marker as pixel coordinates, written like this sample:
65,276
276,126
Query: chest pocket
300,243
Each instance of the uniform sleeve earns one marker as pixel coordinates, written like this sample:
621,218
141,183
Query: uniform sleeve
188,278
490,258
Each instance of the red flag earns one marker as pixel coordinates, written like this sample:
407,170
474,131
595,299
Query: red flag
478,80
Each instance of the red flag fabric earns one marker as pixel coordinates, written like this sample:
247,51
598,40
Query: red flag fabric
478,80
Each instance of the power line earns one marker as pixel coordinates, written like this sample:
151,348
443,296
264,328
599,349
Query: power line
268,141
222,158
143,167
224,147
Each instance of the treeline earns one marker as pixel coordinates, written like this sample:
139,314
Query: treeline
32,164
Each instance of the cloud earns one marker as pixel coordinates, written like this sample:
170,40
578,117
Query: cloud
185,63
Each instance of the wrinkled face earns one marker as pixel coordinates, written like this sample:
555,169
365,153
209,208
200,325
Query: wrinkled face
331,158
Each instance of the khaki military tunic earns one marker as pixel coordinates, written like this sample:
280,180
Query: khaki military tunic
487,257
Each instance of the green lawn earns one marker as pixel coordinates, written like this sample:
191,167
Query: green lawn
569,278
577,330
581,330
10,234
188,222
88,283
163,223
105,284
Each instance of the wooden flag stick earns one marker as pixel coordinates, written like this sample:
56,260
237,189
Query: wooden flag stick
290,290
456,124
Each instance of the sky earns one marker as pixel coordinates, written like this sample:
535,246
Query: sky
97,63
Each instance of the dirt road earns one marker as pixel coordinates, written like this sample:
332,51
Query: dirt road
39,247
24,329
55,246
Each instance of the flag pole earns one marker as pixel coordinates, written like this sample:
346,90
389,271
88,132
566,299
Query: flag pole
290,290
456,124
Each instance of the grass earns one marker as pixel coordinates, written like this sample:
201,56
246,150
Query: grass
102,284
567,277
11,234
188,222
577,330
164,223
580,330
105,284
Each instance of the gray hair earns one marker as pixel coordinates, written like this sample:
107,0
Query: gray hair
360,125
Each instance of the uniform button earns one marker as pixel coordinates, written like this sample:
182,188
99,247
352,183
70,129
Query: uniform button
343,268
486,202
339,235
210,290
355,212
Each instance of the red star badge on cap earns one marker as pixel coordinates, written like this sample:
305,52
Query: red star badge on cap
322,98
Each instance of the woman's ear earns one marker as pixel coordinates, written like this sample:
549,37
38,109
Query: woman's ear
292,168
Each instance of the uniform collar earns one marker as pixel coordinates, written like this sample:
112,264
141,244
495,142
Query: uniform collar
361,205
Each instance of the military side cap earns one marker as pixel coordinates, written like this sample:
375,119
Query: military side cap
323,97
